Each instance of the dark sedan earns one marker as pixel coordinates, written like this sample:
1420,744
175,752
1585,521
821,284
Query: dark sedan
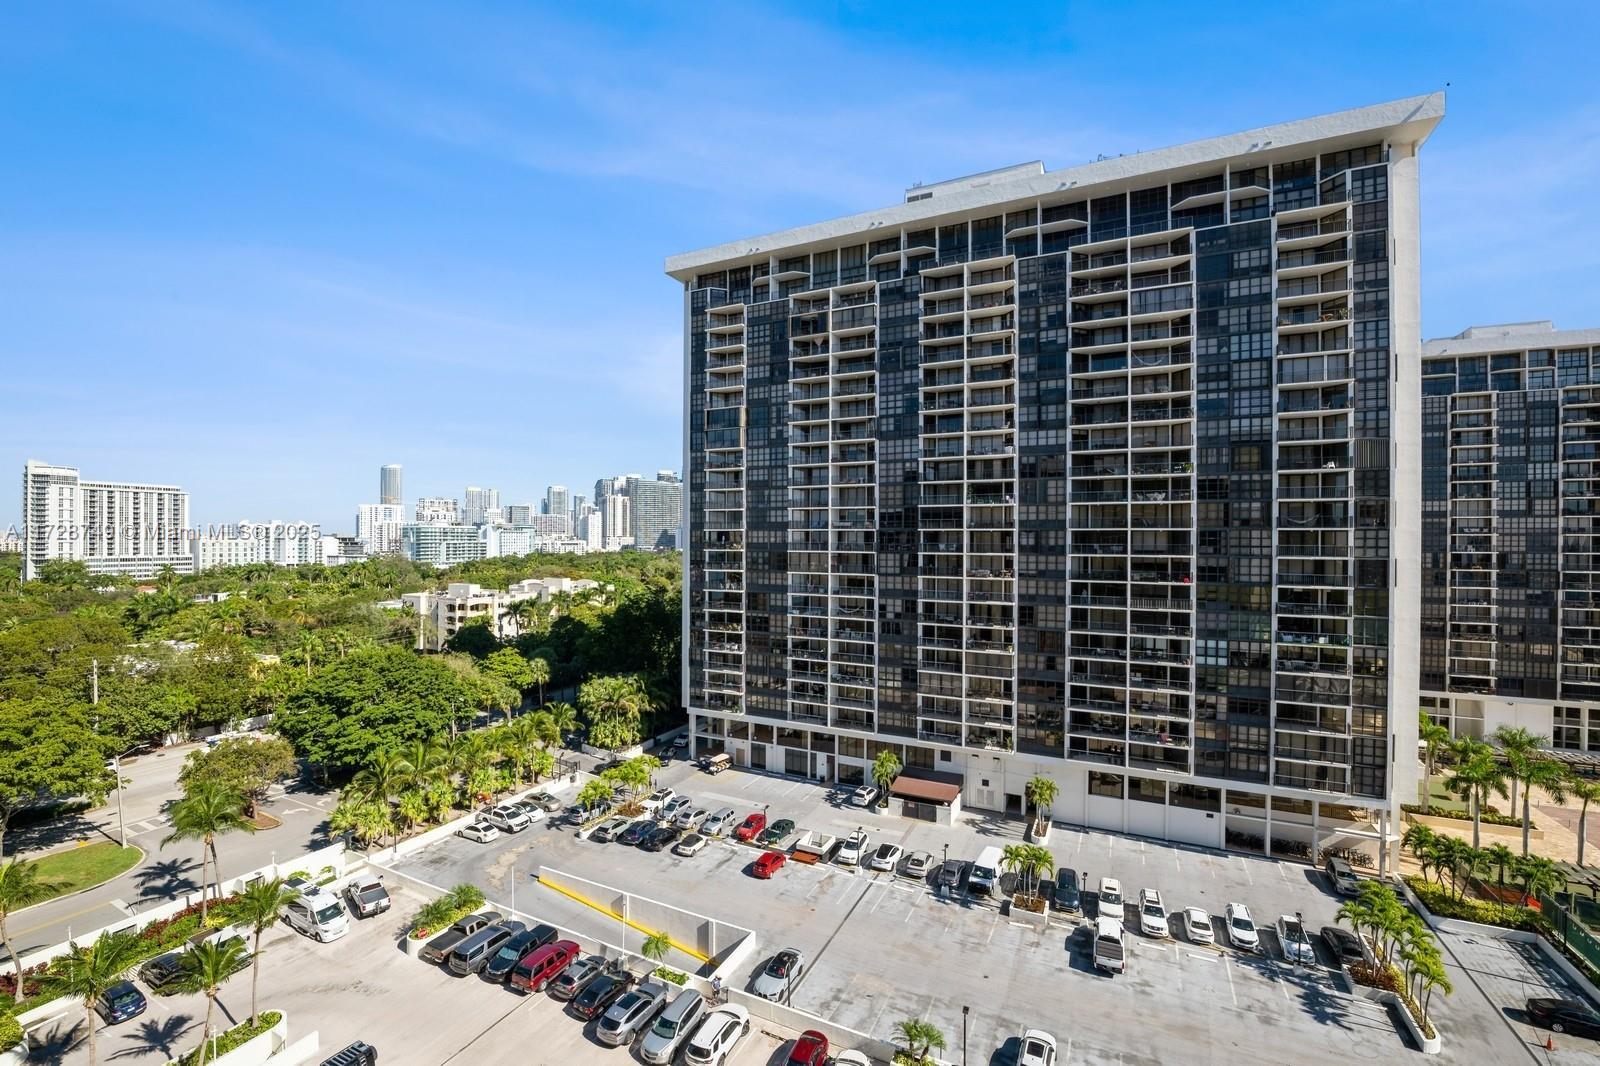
660,837
1564,1016
601,993
1344,944
635,833
777,832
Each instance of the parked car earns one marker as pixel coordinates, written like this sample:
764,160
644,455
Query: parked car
436,949
317,915
767,864
719,823
1345,945
691,818
1564,1016
1242,931
675,806
163,970
579,813
1341,876
544,801
607,830
715,763
598,995
751,827
811,1049
680,742
658,799
717,1035
576,976
507,818
119,1003
851,849
635,833
779,974
777,832
498,968
550,965
631,1014
691,845
366,897
1038,1049
659,837
1108,900
478,832
299,883
864,796
885,856
1293,940
949,875
1152,913
1197,926
672,1028
1068,897
360,1053
1110,948
470,956
851,1058
917,865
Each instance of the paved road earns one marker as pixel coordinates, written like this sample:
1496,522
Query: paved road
151,783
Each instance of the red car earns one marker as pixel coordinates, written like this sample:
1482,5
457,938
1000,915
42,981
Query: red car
768,864
543,965
751,827
810,1050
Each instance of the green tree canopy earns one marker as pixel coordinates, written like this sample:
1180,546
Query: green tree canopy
245,765
48,751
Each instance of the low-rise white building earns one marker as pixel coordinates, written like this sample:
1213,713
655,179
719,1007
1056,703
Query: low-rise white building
249,543
461,602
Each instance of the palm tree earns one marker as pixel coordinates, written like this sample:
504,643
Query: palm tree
1498,857
19,887
306,647
422,763
656,946
412,807
206,812
1477,775
595,793
260,906
1539,876
1539,772
885,768
1585,790
383,778
614,707
1517,743
1418,839
1435,738
204,968
919,1037
540,669
86,973
1432,975
1041,792
565,716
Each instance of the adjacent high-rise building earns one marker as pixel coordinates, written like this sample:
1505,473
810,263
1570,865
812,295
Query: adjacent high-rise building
1511,532
378,527
389,485
113,527
1107,474
655,512
478,503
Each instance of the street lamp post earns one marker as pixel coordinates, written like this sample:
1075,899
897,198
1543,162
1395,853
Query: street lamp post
965,1010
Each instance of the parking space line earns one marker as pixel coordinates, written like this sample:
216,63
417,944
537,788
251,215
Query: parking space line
1282,874
1228,969
1245,865
993,925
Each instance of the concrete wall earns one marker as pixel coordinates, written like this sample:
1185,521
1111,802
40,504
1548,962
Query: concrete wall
710,937
839,1038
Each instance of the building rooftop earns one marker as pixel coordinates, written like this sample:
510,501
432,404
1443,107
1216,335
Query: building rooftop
1510,336
1410,120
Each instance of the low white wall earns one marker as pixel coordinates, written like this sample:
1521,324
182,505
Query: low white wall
258,1049
839,1037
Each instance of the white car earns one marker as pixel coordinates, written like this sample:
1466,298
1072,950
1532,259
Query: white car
481,832
1152,913
506,818
691,818
675,806
851,1058
779,974
658,799
717,1035
1292,938
1197,926
1242,931
1038,1049
692,844
864,796
917,865
886,857
1109,899
719,823
851,849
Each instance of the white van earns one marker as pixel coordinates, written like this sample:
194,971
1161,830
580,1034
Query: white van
317,915
985,871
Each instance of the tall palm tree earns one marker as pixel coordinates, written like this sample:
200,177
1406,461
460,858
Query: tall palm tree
565,716
1435,739
1585,790
422,763
614,707
19,887
85,973
1498,857
540,669
206,812
1041,791
1476,776
1517,744
384,777
307,645
1418,839
1540,772
205,968
885,768
260,907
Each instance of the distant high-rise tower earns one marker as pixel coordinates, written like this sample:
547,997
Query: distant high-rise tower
389,484
556,500
113,527
478,504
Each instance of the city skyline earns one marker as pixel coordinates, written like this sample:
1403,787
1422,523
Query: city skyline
409,258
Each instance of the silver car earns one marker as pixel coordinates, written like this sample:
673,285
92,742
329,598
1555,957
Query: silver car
625,1018
673,1026
719,823
691,818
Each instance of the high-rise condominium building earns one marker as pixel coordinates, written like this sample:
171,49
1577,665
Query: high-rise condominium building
1107,474
478,503
437,510
655,512
518,514
615,522
444,545
557,501
378,527
389,486
113,527
1511,532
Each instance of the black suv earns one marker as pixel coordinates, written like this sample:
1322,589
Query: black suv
358,1054
1068,896
601,993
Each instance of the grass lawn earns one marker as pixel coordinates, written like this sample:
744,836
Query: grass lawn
85,867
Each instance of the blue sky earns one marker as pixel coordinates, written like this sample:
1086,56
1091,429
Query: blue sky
259,250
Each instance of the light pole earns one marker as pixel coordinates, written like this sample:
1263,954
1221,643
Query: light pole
965,1010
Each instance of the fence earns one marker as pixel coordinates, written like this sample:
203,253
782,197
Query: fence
1570,930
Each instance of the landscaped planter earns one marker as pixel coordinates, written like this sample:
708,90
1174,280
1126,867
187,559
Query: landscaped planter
1037,837
1023,916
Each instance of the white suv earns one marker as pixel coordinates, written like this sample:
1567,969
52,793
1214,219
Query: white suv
1152,913
1242,931
716,1036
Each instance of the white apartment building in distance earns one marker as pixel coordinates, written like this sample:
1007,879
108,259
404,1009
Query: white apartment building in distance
1109,474
442,546
248,543
477,504
462,602
378,527
437,511
113,527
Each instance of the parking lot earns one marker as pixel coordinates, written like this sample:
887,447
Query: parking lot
1507,974
881,949
364,987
